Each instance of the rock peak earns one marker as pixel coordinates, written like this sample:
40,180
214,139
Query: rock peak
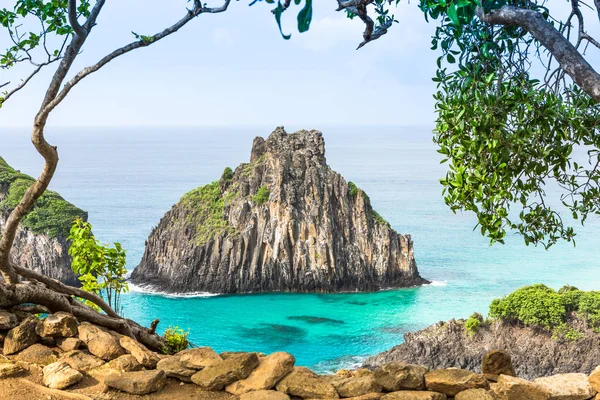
282,144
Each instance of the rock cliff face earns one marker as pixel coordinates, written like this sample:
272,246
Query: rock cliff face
40,243
283,222
534,353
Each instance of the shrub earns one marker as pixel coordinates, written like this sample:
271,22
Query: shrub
177,340
589,308
227,174
261,196
473,323
566,332
352,189
535,305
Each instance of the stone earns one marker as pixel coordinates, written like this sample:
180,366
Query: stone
368,396
401,376
125,363
269,371
199,358
81,360
512,388
60,324
21,336
357,386
141,353
68,344
594,379
227,354
38,354
475,394
216,377
137,382
175,369
8,370
99,342
304,383
60,375
264,395
567,386
452,381
497,362
344,373
7,320
414,395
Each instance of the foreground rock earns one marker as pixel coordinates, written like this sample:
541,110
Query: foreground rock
401,376
270,370
8,370
21,337
59,324
143,356
414,395
304,383
60,375
288,220
173,367
199,358
453,381
38,354
99,342
7,320
475,394
511,388
81,360
264,395
138,382
567,386
533,353
497,362
216,377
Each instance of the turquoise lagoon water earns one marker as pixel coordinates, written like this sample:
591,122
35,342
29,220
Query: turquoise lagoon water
127,178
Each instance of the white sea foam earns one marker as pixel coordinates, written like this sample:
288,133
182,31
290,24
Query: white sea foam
438,283
153,291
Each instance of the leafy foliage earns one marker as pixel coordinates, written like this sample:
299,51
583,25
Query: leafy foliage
540,306
353,189
473,323
101,268
227,174
176,339
505,135
51,214
261,196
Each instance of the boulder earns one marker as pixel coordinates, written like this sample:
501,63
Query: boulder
512,388
264,395
125,363
369,396
68,344
60,375
175,369
81,360
227,354
594,378
7,320
304,383
216,377
141,353
38,354
567,386
401,376
8,370
61,324
269,371
199,358
99,342
414,395
475,394
357,386
21,337
137,382
452,381
497,362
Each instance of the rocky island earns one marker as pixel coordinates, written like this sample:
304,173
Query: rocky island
285,221
41,241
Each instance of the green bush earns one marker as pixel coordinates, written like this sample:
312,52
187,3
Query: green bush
176,339
227,174
535,305
473,323
352,189
589,308
261,196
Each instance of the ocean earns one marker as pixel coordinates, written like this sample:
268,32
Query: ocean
127,178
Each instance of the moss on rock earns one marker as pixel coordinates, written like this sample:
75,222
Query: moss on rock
51,214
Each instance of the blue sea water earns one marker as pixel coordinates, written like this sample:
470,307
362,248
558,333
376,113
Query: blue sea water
127,178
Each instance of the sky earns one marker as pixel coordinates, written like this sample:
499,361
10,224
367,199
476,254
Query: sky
235,69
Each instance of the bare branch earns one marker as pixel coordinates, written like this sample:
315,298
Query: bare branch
572,62
77,28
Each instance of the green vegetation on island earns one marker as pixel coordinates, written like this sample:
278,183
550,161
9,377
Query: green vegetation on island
51,214
539,306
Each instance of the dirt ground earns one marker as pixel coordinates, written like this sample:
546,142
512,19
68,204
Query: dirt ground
29,386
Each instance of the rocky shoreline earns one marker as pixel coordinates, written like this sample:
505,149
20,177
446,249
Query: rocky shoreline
58,357
283,222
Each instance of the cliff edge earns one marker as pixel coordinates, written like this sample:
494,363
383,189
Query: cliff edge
283,222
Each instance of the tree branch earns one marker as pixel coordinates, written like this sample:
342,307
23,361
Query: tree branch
571,61
77,28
